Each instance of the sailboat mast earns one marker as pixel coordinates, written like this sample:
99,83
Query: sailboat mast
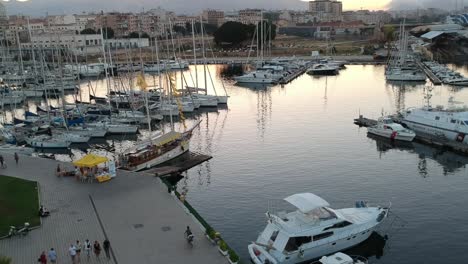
203,54
194,54
143,77
105,69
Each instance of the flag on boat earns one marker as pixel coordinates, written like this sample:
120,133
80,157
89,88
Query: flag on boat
141,82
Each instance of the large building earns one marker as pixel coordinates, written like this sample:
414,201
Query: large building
368,17
326,9
250,16
213,17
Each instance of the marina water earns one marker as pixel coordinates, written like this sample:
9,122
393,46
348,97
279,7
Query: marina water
273,142
278,141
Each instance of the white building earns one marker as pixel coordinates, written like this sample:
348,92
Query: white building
81,44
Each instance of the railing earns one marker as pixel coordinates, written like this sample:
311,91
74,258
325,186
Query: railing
195,213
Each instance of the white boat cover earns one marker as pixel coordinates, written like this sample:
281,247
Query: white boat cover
338,258
306,202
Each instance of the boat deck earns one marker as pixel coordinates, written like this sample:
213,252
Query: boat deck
179,165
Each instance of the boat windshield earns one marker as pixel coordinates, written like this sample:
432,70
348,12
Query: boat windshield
321,214
387,121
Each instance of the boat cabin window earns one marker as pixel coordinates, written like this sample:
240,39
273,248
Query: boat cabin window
322,236
338,225
274,235
295,242
453,121
387,121
466,123
437,118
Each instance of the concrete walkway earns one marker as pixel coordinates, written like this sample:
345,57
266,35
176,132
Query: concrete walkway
143,222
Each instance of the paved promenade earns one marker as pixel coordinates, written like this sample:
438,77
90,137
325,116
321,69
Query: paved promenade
143,222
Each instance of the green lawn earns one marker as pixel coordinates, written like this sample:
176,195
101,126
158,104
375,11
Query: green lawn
19,203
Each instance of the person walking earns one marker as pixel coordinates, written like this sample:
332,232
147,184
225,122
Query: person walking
16,158
87,248
52,255
78,251
72,252
97,249
43,258
106,246
1,161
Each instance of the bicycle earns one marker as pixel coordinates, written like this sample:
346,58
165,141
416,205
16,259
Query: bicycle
3,166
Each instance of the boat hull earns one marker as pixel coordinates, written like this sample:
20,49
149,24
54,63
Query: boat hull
174,153
388,134
346,242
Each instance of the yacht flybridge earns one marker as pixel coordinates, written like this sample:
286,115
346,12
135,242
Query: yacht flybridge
313,230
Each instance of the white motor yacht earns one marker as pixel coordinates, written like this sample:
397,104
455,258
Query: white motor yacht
115,129
257,77
388,129
323,69
397,74
71,137
461,81
438,122
47,142
313,230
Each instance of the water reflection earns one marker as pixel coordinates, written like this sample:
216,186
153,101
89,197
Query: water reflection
448,160
372,247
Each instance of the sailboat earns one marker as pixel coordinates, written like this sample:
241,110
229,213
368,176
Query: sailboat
160,147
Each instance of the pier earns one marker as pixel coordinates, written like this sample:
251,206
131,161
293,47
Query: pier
434,79
180,165
421,137
143,222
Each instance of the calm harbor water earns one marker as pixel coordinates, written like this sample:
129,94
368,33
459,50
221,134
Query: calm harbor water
274,142
278,141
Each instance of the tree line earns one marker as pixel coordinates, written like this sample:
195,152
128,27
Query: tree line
230,33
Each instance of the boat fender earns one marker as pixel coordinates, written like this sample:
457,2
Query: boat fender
301,253
393,136
381,216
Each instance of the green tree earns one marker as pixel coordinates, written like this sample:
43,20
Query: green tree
233,33
388,37
179,29
138,35
88,31
108,32
5,260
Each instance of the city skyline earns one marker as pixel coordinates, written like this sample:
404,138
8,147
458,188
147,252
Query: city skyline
41,7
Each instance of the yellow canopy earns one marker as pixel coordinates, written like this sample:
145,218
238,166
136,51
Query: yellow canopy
90,160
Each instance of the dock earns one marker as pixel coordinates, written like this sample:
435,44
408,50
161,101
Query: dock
293,75
180,165
143,222
434,79
438,142
365,122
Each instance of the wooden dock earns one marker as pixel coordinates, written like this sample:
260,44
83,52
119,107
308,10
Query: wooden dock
180,164
434,79
365,122
293,75
427,139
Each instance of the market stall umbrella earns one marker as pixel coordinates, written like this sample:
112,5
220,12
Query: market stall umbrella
90,160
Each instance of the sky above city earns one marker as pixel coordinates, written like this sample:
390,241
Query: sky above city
41,7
